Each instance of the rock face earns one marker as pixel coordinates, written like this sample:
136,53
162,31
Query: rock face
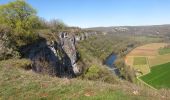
84,36
68,45
53,54
54,57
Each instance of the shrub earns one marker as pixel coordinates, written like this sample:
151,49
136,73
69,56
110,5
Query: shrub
100,73
7,49
22,22
127,72
92,72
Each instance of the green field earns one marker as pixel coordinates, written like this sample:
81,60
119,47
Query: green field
140,61
164,51
159,77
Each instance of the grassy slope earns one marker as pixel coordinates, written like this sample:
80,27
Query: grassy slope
16,83
159,76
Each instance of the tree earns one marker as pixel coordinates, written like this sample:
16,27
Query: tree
56,25
6,49
22,19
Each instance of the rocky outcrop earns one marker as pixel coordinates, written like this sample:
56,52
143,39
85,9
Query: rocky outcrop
68,45
53,54
84,35
54,57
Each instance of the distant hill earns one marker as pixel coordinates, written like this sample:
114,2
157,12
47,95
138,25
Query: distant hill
154,29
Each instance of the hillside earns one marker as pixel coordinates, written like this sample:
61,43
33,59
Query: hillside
49,60
137,30
25,84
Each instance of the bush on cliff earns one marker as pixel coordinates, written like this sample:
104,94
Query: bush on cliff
7,50
22,20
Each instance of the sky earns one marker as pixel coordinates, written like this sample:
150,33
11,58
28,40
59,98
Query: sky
97,13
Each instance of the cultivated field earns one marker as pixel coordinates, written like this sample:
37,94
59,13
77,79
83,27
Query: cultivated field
147,50
147,56
159,76
140,61
159,59
151,64
164,51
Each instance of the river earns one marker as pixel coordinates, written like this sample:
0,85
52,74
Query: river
110,63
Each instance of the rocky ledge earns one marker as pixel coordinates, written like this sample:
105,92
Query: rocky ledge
53,53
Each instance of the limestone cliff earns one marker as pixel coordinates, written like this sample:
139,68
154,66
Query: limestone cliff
55,56
52,53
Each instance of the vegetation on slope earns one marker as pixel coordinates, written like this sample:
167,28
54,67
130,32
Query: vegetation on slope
22,19
16,83
21,26
97,48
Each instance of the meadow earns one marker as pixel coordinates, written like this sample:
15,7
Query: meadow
159,76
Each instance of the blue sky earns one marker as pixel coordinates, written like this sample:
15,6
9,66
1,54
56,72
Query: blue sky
93,13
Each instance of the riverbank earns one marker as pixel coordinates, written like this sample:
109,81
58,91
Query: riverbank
110,63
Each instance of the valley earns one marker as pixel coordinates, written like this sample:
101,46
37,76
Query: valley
47,59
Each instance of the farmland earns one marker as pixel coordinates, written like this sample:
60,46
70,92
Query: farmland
159,59
139,61
147,55
163,51
159,76
151,63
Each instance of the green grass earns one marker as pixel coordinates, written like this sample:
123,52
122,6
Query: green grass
163,51
159,76
140,61
18,84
